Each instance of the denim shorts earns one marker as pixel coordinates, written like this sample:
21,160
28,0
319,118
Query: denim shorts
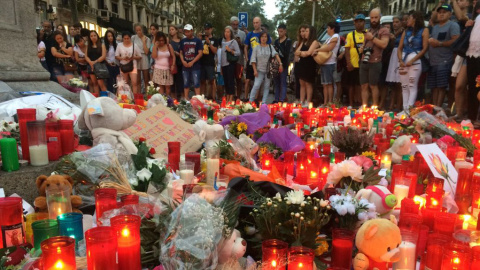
327,73
191,76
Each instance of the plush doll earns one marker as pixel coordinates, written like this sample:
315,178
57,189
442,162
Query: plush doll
155,100
380,196
210,134
247,143
400,147
106,120
230,250
53,182
377,241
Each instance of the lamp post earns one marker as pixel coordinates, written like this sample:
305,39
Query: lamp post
314,4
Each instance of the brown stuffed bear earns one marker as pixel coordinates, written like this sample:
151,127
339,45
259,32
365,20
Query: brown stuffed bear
51,182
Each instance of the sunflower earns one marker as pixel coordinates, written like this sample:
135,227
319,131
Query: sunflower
242,127
369,154
322,245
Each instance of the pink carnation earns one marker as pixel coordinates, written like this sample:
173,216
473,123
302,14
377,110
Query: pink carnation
363,161
447,139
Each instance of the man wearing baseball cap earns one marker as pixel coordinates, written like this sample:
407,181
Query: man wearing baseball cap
190,53
443,34
210,45
354,42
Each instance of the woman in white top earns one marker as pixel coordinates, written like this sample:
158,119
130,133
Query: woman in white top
473,65
162,52
41,48
143,64
127,52
113,69
79,51
328,69
230,45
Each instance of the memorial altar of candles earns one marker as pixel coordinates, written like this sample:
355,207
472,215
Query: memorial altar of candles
127,228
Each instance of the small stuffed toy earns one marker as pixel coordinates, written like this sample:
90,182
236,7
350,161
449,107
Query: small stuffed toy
247,143
106,120
155,100
230,250
400,147
377,241
210,134
380,196
53,182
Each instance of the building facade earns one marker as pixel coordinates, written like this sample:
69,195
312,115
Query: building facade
405,6
118,14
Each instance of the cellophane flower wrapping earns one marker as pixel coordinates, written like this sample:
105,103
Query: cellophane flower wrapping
283,138
254,120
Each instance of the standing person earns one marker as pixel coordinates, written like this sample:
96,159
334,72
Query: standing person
444,33
71,35
78,27
473,64
386,55
413,46
45,35
111,46
143,65
79,51
127,52
175,38
328,68
283,45
96,53
376,40
229,45
260,56
252,40
306,66
393,77
341,65
220,82
207,62
295,59
191,50
154,27
41,54
240,38
354,43
62,52
162,72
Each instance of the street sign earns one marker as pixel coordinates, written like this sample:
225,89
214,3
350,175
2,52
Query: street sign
242,19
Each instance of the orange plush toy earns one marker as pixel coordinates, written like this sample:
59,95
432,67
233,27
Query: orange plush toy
54,182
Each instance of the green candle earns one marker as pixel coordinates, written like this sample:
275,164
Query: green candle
8,147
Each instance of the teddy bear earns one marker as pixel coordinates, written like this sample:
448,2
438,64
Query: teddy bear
155,100
247,143
106,120
400,147
377,241
230,250
210,134
380,196
53,182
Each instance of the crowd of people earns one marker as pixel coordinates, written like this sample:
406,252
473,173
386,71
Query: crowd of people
392,64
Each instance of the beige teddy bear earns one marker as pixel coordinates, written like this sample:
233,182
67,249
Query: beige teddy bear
230,250
401,147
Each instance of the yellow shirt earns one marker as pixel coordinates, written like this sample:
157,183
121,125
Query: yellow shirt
350,44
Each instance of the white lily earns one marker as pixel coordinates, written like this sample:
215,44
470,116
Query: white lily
144,174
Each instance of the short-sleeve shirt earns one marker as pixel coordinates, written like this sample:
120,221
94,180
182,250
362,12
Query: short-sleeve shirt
208,58
253,40
283,49
260,56
377,52
359,38
443,55
123,51
189,48
241,34
41,47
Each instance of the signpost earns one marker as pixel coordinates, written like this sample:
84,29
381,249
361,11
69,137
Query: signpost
242,20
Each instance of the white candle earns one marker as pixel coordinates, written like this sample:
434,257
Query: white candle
38,155
213,167
187,176
401,192
461,164
386,164
347,120
408,258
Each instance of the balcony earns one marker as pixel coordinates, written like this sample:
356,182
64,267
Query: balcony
164,14
170,17
105,14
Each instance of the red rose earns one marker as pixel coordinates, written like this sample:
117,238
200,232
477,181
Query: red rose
142,139
152,151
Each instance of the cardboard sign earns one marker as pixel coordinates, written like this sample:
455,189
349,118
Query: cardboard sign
160,125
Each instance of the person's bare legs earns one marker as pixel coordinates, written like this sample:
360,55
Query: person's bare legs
375,94
167,90
339,96
213,89
309,89
325,94
365,94
146,77
101,84
133,78
383,96
441,96
302,90
461,92
434,96
351,94
94,84
247,89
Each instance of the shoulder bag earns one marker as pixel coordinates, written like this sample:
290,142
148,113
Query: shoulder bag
273,66
322,57
232,58
128,67
101,71
460,45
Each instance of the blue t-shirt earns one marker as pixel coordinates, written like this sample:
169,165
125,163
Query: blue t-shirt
443,55
189,48
253,40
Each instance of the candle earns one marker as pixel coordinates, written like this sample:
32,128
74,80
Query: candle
195,158
444,223
339,157
127,228
53,141
101,248
386,161
401,189
288,158
105,199
24,116
67,136
11,222
456,257
466,220
37,142
462,164
187,172
408,258
58,253
435,185
413,177
8,148
43,229
342,247
213,164
71,225
475,258
476,204
463,193
58,199
267,159
274,254
174,155
435,244
30,218
434,201
280,167
130,199
300,258
38,155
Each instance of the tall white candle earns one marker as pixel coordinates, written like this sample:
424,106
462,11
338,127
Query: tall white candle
187,176
213,167
401,192
38,155
408,258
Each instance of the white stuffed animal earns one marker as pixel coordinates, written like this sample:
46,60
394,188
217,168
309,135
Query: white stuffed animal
401,147
210,134
155,100
248,144
230,250
380,196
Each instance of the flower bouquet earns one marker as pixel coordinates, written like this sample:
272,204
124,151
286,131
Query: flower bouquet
351,141
355,174
350,211
151,89
243,108
236,128
76,82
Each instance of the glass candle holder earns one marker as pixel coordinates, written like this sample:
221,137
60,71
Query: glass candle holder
401,189
413,183
274,254
24,116
174,155
398,171
222,181
58,200
54,144
187,171
300,258
71,225
445,223
37,143
475,258
101,245
43,229
195,158
410,221
408,258
435,244
475,210
386,161
11,222
463,194
280,167
288,158
67,136
434,201
213,164
58,253
267,161
9,151
130,199
342,248
456,257
127,228
105,199
435,185
339,157
30,218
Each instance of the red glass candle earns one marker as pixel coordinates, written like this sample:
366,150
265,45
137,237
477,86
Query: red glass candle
58,253
326,149
409,207
456,257
130,199
434,201
11,222
476,160
174,155
475,258
339,157
274,254
300,258
463,196
428,217
101,248
267,161
410,222
435,185
127,228
105,199
280,167
25,115
452,153
476,204
54,144
288,158
195,158
445,223
435,244
398,171
422,240
475,182
67,136
342,247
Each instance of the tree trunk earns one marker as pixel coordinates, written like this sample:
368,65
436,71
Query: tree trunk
383,6
74,9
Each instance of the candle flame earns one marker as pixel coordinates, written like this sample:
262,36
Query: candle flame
456,260
466,219
274,263
324,170
59,265
300,265
434,202
267,162
420,201
125,232
313,174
